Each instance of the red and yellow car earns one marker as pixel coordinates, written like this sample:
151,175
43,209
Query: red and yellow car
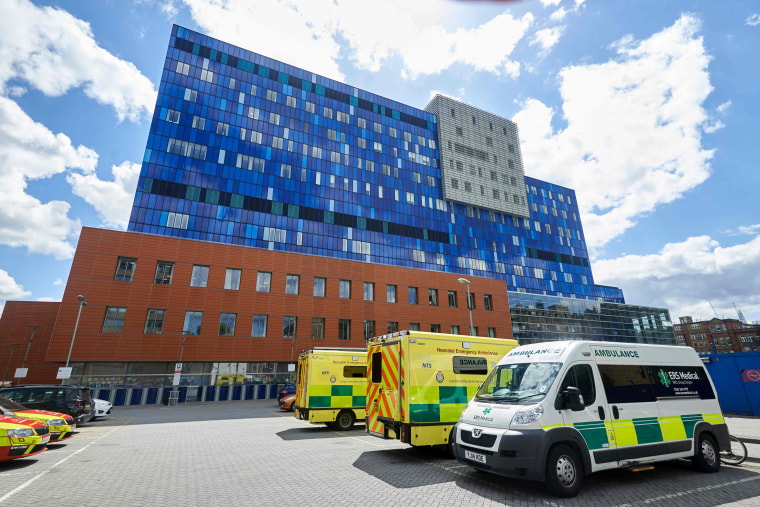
61,426
21,437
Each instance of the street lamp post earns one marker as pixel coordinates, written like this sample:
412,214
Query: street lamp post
466,282
23,364
13,349
82,303
181,352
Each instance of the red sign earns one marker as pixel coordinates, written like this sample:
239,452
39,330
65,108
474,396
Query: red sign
751,375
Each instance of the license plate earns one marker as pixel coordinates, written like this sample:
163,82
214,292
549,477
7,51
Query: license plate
474,456
46,439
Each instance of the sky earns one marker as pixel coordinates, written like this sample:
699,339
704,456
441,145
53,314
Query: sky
649,110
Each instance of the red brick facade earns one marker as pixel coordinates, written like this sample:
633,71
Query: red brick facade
94,266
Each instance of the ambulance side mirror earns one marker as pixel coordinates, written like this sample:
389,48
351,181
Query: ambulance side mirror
571,399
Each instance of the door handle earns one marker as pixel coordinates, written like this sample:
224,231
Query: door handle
601,412
615,412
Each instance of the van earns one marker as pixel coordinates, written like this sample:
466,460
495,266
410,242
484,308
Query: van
419,383
557,411
331,386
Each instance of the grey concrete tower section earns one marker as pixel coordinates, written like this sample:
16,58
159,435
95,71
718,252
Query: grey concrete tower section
480,157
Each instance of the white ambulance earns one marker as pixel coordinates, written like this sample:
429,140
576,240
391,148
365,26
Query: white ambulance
557,411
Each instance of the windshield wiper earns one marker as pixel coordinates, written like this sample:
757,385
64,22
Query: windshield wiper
530,396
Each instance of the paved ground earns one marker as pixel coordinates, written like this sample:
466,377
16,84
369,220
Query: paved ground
249,453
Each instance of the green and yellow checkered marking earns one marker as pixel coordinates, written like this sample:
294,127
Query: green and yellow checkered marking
338,396
638,431
452,401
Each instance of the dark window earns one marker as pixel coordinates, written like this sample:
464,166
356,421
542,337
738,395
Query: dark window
164,272
154,323
289,327
582,377
227,324
452,299
414,326
392,327
369,329
470,365
377,367
114,319
470,300
487,302
413,300
355,371
433,297
435,328
344,329
317,328
627,383
492,332
125,269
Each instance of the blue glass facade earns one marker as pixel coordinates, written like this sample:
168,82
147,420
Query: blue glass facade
250,151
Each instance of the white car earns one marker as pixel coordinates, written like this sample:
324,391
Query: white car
101,408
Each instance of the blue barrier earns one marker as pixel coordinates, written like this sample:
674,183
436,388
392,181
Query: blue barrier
120,398
738,394
103,394
273,391
249,391
136,397
210,392
224,393
262,392
237,392
152,396
182,395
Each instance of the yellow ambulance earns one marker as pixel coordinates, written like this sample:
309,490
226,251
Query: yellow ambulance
331,386
419,382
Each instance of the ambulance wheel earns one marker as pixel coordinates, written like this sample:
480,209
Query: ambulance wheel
707,459
450,445
330,425
564,471
345,421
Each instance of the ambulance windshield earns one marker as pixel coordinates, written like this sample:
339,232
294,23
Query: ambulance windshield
512,383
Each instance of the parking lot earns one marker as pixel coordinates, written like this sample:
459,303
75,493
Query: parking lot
250,453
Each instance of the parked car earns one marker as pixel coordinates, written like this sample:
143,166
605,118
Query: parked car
61,426
68,399
100,408
290,388
287,402
21,437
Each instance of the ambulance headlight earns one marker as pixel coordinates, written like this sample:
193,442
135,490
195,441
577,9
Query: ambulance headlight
56,422
21,432
529,415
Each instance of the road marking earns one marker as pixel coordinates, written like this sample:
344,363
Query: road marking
696,490
42,474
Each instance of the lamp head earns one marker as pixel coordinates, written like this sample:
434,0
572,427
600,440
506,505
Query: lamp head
464,281
80,297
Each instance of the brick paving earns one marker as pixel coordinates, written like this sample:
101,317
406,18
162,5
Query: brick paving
249,453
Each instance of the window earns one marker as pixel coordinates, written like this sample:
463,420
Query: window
125,269
454,183
492,332
154,323
259,328
227,324
487,302
192,323
199,278
164,271
317,328
470,300
114,319
369,329
369,291
392,327
433,297
263,281
452,299
474,331
345,289
344,329
459,131
289,327
414,326
390,293
232,279
319,287
580,376
291,284
413,299
454,329
435,328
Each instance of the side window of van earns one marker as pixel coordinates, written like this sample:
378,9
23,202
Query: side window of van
627,383
377,367
582,377
354,371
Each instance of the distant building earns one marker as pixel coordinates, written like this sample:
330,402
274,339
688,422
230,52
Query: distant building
717,335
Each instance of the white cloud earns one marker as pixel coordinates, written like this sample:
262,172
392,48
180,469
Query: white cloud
51,50
721,109
633,126
712,126
547,38
10,289
753,19
684,277
58,281
550,2
744,229
308,34
29,151
559,14
111,199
